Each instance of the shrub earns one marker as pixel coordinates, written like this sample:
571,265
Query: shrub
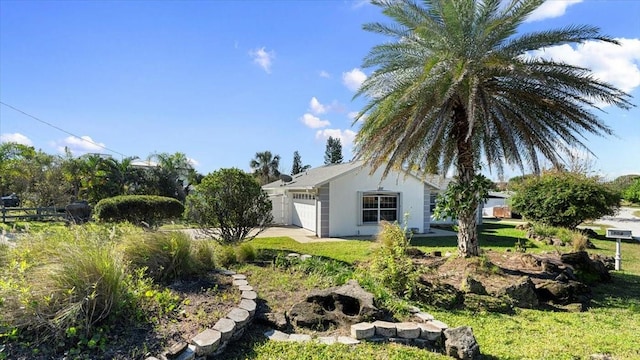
391,265
579,241
138,209
632,192
165,256
230,205
563,199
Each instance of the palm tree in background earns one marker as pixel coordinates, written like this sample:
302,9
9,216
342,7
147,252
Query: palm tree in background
265,166
457,86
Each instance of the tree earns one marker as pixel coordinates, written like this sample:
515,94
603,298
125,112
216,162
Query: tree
632,192
333,152
175,174
230,204
458,87
265,167
297,164
564,199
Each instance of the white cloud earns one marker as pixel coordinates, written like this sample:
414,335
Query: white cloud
617,65
551,9
353,79
346,136
360,3
16,138
314,122
79,146
324,74
263,58
316,107
193,162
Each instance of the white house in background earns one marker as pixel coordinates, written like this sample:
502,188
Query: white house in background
346,200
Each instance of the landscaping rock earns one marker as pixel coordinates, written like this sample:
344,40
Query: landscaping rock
188,354
439,324
245,288
461,344
305,257
522,292
588,270
250,295
385,328
430,331
408,330
226,327
206,342
239,277
473,286
563,292
601,357
249,305
240,316
240,282
276,335
176,349
343,305
362,330
299,337
347,340
327,340
423,316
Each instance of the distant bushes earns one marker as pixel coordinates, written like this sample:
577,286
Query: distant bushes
137,209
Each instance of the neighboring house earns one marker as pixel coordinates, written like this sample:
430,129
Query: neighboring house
497,205
346,200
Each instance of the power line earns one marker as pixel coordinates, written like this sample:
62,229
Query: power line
64,131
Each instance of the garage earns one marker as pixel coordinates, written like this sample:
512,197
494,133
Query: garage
304,211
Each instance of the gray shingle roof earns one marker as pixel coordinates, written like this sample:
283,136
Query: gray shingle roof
319,176
315,177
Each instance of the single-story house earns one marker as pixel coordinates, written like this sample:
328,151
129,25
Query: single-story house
497,205
347,200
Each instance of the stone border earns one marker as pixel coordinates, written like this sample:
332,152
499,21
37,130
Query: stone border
213,342
424,332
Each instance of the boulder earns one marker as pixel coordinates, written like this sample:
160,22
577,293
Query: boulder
563,293
473,286
461,344
342,305
78,212
587,270
441,295
523,292
481,303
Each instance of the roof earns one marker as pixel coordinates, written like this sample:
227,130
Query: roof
316,177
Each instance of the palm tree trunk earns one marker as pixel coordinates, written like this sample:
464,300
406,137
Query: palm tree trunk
467,222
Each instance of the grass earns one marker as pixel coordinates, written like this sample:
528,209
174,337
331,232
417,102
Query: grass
611,326
636,213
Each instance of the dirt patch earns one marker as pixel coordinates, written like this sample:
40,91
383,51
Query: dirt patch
202,302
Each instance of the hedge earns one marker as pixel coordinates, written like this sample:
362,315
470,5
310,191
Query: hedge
138,209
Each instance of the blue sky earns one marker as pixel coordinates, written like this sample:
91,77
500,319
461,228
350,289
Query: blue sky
222,80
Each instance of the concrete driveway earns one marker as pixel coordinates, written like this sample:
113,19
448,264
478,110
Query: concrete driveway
624,220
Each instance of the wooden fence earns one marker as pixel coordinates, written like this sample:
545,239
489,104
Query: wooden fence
33,214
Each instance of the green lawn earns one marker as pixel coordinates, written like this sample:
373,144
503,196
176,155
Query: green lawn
611,326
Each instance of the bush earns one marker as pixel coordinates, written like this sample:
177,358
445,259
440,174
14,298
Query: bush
632,192
565,200
165,256
230,205
391,265
138,209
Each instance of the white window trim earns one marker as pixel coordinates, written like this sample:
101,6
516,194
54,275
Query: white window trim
362,194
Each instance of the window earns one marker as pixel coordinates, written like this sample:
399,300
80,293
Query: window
432,202
379,207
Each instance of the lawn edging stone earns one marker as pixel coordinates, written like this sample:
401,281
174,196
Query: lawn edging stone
213,342
431,334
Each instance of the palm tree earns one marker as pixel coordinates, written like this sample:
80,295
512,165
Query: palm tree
179,172
457,87
265,166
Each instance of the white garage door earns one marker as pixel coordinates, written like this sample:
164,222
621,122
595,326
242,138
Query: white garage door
304,213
